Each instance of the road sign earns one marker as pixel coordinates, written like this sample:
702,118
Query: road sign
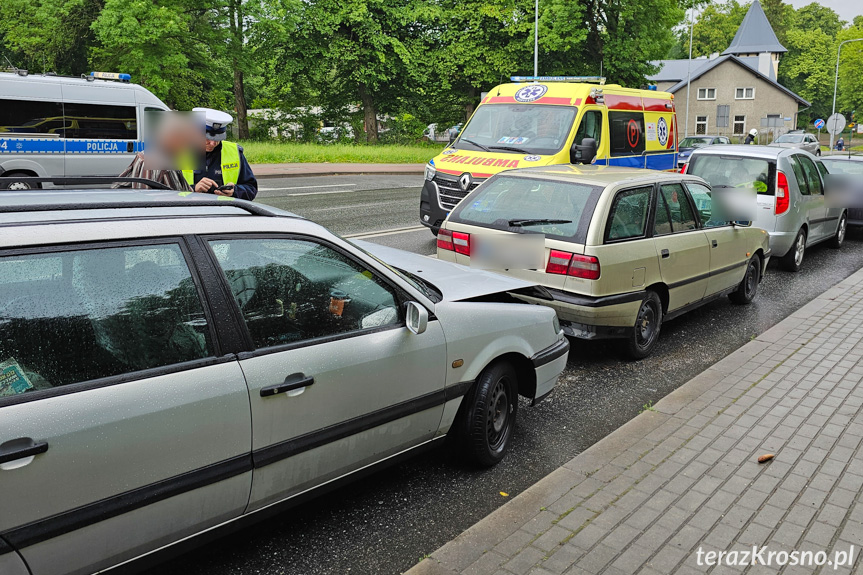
836,123
819,123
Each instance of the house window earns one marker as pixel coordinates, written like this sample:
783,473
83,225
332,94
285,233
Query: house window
722,115
744,93
739,125
700,124
707,93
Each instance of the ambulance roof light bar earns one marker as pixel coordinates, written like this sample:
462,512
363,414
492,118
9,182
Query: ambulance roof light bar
109,76
598,79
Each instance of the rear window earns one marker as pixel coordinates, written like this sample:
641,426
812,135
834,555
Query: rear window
843,166
527,204
735,172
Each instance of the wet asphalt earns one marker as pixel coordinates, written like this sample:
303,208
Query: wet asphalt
387,522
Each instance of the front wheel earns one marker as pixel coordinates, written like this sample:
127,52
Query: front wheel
818,152
839,237
9,182
793,260
489,418
647,324
748,287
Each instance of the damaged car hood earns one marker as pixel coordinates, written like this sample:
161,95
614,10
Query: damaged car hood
455,282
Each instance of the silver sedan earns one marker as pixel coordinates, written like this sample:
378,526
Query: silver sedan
174,367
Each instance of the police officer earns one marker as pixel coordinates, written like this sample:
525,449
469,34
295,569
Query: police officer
224,162
750,137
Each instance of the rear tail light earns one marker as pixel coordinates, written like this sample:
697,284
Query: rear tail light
565,263
461,242
444,240
783,194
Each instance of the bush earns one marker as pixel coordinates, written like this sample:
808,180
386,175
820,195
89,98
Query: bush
403,129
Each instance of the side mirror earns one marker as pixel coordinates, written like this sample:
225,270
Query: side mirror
583,153
417,317
743,224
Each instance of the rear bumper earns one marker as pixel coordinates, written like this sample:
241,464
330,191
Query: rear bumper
781,242
587,317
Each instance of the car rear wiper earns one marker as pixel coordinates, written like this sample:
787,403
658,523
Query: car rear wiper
536,222
509,148
477,144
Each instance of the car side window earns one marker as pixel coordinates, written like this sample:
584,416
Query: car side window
590,127
78,315
672,198
812,176
802,183
822,168
703,199
294,290
628,216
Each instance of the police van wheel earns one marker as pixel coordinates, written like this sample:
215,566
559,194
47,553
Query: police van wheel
7,182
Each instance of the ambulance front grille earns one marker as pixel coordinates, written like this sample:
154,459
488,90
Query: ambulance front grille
449,191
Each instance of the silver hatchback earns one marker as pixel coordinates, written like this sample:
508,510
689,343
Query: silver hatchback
790,195
174,367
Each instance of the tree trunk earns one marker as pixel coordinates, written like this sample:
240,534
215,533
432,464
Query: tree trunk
370,120
469,107
240,105
237,45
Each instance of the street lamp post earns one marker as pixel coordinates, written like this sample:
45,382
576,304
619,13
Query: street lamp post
689,69
836,81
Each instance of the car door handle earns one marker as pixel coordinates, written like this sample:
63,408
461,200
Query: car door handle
292,382
665,253
21,448
713,243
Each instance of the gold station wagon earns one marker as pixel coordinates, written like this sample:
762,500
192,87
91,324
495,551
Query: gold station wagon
619,250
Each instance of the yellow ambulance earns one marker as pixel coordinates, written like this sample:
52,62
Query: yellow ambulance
538,121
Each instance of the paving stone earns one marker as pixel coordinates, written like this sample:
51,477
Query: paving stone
524,560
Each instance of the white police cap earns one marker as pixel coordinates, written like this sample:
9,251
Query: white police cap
216,122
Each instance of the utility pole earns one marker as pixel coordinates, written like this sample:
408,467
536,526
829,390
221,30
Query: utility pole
536,39
689,69
836,82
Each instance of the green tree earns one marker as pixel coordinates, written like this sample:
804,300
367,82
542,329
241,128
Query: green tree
48,35
850,91
806,69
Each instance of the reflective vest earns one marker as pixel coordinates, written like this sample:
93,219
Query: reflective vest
230,160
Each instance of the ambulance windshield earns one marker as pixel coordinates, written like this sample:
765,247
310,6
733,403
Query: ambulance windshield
517,128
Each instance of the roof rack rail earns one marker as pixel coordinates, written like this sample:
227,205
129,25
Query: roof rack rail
180,202
80,180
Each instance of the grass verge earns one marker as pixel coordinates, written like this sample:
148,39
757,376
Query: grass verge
291,152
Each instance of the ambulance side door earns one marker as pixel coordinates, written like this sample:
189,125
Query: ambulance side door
593,123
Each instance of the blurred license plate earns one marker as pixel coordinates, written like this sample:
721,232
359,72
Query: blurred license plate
507,251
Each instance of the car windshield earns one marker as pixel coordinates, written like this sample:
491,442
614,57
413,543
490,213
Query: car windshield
517,128
843,166
734,172
695,142
529,205
790,139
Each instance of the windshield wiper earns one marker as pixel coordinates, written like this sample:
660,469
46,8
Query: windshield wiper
509,148
477,144
536,222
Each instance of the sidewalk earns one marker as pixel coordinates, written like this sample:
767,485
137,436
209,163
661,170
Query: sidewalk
327,169
685,475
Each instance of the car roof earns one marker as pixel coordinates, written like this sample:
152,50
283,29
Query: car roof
766,152
21,207
596,175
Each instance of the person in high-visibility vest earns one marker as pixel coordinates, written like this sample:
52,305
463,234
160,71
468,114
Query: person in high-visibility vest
225,166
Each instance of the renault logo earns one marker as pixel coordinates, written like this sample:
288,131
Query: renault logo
464,182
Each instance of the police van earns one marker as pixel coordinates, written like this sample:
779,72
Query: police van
54,127
538,121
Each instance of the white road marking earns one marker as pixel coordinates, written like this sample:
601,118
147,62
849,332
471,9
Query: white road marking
380,233
307,187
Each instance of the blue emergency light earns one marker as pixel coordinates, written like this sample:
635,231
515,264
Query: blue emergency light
600,79
111,76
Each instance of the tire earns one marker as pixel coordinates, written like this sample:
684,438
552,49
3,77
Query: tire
7,182
488,420
839,237
748,288
793,260
818,152
645,332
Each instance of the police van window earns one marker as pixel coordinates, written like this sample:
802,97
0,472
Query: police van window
590,127
101,122
627,133
31,117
